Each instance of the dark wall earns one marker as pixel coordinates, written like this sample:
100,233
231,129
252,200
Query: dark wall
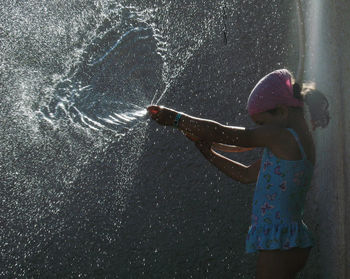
144,204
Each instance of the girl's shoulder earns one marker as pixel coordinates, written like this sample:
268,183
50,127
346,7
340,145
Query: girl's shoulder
290,144
283,143
270,136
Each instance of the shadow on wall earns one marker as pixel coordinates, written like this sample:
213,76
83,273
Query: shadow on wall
327,65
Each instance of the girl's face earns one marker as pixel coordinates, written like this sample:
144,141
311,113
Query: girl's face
267,118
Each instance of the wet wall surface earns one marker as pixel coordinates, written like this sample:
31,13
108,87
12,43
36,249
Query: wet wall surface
328,67
91,190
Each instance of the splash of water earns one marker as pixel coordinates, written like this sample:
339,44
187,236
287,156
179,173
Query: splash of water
107,88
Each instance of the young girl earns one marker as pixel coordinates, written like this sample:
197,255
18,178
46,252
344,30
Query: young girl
282,176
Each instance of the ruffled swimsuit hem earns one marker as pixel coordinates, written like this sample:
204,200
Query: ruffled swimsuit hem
278,237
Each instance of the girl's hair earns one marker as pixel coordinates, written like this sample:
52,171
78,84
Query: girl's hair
316,101
263,97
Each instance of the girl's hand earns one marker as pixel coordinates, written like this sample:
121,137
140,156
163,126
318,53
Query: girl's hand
164,116
205,148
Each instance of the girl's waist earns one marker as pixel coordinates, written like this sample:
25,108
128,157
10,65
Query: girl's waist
270,213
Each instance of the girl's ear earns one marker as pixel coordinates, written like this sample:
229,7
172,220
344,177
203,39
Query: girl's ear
283,111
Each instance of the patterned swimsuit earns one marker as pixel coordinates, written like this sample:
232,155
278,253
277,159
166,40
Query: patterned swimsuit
279,202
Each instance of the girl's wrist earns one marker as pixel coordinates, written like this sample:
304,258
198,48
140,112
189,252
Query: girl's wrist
177,119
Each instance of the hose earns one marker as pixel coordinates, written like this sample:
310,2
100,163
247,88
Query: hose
302,43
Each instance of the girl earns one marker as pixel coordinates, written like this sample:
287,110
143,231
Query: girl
282,176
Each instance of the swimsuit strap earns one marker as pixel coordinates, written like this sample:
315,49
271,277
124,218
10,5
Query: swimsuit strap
299,143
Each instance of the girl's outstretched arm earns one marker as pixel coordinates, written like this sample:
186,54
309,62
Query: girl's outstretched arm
235,170
212,131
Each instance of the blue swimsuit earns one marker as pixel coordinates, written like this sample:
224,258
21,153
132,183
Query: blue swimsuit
279,202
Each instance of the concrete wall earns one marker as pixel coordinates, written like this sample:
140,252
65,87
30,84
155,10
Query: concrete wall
78,204
328,65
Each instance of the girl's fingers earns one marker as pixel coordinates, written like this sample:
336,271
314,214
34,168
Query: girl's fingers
153,110
164,116
156,113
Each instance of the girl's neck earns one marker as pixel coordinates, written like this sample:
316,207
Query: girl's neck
296,119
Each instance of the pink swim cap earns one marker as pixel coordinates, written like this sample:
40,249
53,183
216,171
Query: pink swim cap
274,89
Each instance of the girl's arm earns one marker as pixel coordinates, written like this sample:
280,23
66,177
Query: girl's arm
212,131
229,148
235,170
219,146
